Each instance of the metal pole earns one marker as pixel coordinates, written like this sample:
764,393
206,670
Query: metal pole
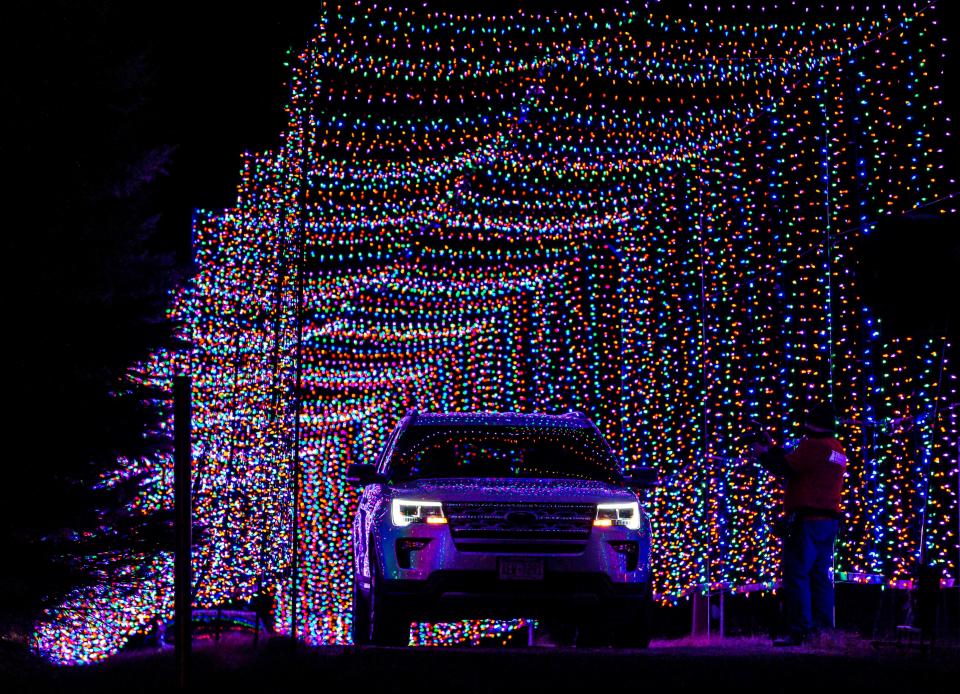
298,411
723,613
298,378
183,511
704,355
709,608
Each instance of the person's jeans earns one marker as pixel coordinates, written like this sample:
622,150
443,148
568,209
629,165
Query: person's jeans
807,583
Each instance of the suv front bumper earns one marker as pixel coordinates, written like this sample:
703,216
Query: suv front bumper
441,580
451,594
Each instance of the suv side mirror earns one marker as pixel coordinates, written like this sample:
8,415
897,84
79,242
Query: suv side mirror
362,474
642,478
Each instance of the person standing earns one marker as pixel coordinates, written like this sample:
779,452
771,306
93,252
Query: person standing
813,476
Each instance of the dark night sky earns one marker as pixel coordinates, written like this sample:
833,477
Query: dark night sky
221,91
214,81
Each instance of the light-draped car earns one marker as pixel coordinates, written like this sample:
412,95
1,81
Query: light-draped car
500,515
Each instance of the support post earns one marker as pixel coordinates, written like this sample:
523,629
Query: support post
700,626
723,614
183,512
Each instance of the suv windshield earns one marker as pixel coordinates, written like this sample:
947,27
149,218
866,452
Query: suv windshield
503,451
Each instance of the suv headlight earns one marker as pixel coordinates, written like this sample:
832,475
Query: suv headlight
403,512
626,515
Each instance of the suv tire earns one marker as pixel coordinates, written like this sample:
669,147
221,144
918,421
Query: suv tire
387,625
361,616
635,632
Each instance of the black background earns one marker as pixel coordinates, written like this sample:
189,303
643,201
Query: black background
213,77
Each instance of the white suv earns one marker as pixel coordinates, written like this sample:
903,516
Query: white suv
485,515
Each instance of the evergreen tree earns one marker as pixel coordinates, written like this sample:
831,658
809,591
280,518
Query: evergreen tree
87,286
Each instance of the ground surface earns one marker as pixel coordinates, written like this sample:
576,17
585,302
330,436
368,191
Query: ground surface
747,665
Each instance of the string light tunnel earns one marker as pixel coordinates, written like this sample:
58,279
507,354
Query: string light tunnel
644,211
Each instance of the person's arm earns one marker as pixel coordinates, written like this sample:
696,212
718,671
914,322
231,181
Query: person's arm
774,461
772,458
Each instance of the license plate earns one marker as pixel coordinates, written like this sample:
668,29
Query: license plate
521,569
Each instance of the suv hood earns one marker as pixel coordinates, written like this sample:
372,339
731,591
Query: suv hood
512,489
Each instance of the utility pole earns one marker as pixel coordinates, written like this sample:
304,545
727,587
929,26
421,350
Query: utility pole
183,511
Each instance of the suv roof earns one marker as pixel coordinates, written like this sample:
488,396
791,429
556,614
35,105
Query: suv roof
570,419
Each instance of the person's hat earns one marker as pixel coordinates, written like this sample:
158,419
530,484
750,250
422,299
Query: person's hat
821,419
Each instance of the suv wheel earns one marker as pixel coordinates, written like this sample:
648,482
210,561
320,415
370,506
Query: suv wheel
361,616
387,626
635,632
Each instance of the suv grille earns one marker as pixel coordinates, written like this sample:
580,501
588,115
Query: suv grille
529,528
